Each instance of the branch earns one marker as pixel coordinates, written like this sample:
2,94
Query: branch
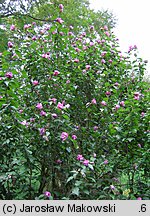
28,15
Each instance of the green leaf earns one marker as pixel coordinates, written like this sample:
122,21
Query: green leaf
75,191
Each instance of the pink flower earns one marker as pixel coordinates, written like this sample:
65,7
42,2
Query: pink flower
42,113
91,28
122,103
74,137
139,198
32,119
112,187
42,131
105,162
39,106
12,27
87,67
45,55
64,136
86,162
70,33
105,28
142,114
103,103
93,101
103,53
108,93
77,49
110,61
116,84
24,123
95,128
59,20
20,111
91,44
139,145
35,82
117,107
80,157
107,33
58,161
10,44
34,38
84,34
61,6
56,72
136,97
103,61
61,33
68,81
76,60
53,100
26,26
9,75
47,193
54,115
60,105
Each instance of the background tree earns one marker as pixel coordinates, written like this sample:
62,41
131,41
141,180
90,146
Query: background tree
77,13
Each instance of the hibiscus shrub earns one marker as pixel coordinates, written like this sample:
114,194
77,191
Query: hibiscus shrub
74,116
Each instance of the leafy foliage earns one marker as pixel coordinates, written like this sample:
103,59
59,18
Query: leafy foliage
74,115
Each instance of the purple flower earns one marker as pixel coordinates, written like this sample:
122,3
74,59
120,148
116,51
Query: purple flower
142,114
87,67
59,20
91,28
108,93
56,72
39,106
95,128
105,162
58,161
60,105
35,82
9,75
12,27
103,61
74,137
117,107
93,101
10,44
54,115
122,103
61,6
76,60
139,198
103,103
42,131
80,157
64,136
112,187
42,113
86,162
47,193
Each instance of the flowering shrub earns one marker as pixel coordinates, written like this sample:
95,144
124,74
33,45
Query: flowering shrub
74,116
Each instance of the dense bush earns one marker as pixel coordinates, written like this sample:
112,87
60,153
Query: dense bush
74,116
